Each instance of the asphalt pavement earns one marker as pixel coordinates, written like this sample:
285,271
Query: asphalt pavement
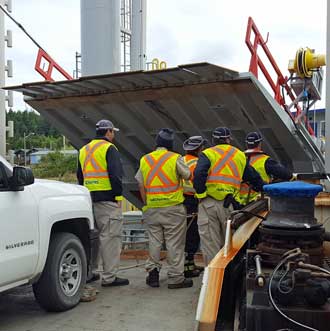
135,307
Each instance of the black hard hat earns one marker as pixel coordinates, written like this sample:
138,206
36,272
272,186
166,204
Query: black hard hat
165,138
105,125
221,133
193,143
253,138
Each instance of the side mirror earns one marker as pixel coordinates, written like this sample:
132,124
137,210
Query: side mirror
21,177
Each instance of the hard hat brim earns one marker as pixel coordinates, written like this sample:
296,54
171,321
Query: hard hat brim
188,147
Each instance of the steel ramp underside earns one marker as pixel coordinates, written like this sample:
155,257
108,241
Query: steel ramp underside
191,99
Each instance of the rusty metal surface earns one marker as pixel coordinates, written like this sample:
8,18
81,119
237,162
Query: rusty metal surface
191,99
127,81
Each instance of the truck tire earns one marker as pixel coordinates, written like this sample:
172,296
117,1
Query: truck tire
61,283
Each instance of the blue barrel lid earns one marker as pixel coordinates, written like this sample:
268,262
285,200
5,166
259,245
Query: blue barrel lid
295,189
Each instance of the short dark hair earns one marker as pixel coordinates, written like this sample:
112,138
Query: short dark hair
194,152
218,141
101,132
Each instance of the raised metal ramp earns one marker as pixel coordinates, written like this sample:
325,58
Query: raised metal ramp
191,99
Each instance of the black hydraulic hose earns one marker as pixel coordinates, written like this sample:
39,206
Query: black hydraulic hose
236,212
272,299
313,267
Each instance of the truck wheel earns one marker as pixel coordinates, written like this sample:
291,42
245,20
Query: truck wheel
64,276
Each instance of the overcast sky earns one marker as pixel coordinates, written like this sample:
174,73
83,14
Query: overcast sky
178,32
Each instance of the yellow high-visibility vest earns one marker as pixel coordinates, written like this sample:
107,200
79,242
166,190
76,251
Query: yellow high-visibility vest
93,161
246,194
226,170
162,185
191,162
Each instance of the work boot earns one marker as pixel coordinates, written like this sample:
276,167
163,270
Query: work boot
153,278
117,282
186,283
199,268
190,270
95,277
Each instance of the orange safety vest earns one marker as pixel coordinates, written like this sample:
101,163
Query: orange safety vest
191,162
161,182
226,170
92,158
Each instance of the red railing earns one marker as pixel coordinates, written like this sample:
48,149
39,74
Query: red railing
256,63
43,57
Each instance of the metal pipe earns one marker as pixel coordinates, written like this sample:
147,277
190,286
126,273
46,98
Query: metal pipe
2,83
228,239
260,278
327,101
133,266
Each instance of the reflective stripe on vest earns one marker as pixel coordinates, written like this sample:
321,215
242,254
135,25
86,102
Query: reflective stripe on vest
92,158
191,162
161,182
258,162
226,170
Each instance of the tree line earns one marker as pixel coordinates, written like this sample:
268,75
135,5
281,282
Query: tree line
27,121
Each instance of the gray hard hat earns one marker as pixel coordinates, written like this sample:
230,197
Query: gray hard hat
221,133
105,125
165,138
193,143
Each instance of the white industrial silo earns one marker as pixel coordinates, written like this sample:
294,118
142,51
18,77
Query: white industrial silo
138,34
113,36
100,36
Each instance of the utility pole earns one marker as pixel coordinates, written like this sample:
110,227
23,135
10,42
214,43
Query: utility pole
4,67
24,145
327,97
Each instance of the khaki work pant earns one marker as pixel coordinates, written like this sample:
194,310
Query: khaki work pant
169,225
109,221
212,217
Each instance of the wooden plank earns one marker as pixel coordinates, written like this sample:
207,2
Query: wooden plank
209,299
322,199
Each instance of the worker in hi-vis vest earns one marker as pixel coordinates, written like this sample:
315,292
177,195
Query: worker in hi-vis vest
217,179
100,170
160,182
193,146
268,168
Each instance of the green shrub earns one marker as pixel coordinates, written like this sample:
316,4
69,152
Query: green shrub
56,165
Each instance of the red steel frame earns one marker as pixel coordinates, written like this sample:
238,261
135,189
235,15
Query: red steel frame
51,65
257,63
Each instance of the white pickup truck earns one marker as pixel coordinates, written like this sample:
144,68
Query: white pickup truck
47,237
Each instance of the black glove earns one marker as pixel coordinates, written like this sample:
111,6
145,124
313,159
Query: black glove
227,201
230,200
